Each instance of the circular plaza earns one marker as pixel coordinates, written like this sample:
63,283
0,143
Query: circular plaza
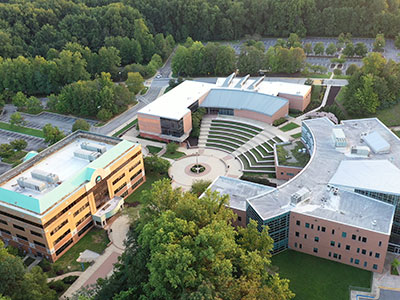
203,164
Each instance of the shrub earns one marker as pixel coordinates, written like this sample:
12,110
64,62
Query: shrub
351,69
309,81
199,186
59,286
80,124
45,265
70,279
258,179
172,147
279,121
337,72
104,114
156,164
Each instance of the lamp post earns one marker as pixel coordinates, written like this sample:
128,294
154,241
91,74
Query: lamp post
197,162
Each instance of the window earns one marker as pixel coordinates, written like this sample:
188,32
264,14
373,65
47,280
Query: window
63,247
364,239
370,253
377,255
358,250
36,233
316,239
22,237
3,222
83,219
136,175
120,188
347,247
333,231
134,166
118,179
297,233
298,223
39,244
58,227
339,245
351,260
334,255
330,254
340,256
5,231
344,234
137,183
375,267
239,218
357,261
380,243
305,236
62,236
353,237
81,209
19,227
312,226
319,227
307,225
315,250
365,264
301,246
332,243
323,229
363,251
295,245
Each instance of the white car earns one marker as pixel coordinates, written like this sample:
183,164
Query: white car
159,76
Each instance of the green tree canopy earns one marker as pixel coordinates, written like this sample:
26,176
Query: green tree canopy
52,134
134,82
80,124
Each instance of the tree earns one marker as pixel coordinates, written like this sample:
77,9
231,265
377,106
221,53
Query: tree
361,100
16,119
52,134
184,247
199,186
360,49
197,116
80,124
308,48
319,48
134,82
19,144
19,100
293,41
225,61
349,50
6,150
104,114
351,69
156,164
172,147
250,60
33,105
397,41
331,49
379,43
374,63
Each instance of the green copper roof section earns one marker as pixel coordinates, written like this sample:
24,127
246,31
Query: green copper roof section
29,155
68,186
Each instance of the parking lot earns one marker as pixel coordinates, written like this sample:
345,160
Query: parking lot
34,143
390,51
63,122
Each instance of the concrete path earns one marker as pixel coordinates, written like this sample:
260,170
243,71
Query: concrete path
103,266
77,273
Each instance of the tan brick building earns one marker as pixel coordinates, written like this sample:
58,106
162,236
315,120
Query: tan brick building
51,200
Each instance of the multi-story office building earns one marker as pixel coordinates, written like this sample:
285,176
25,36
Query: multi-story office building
344,204
52,199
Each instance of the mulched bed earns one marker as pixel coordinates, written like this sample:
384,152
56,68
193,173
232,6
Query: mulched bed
332,95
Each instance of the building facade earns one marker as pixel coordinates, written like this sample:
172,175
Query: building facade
93,174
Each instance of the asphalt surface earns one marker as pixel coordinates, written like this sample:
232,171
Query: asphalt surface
34,143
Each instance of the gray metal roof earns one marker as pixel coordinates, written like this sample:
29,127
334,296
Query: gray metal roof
247,100
238,190
323,164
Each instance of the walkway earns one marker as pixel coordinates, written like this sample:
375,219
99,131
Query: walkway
103,266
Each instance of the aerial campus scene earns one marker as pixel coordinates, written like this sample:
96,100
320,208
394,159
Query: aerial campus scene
181,149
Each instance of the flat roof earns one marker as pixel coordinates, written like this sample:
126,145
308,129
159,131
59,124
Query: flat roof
174,104
238,190
376,142
324,162
60,160
246,100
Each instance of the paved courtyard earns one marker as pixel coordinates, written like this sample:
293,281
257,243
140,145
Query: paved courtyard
216,163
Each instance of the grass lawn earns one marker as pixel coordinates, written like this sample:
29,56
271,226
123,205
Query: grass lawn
21,129
130,125
296,135
340,96
318,75
289,126
390,116
397,133
153,149
314,278
297,159
150,179
95,240
175,155
341,76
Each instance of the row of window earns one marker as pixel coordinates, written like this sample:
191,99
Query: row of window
344,234
62,236
83,219
136,174
21,228
357,262
61,225
81,209
120,188
118,179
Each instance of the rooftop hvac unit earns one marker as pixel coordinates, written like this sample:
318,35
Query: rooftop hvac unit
45,176
360,150
299,196
88,155
32,184
93,147
339,137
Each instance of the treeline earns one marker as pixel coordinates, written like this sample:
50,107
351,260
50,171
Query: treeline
42,76
227,20
373,87
195,59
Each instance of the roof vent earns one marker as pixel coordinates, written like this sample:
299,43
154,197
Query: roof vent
299,196
374,222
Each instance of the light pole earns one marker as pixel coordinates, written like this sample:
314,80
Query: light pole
197,162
